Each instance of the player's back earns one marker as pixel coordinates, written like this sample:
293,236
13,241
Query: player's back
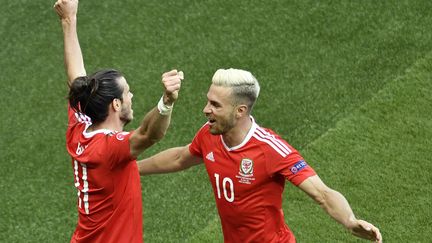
107,182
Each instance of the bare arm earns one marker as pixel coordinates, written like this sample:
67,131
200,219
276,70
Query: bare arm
74,64
170,160
335,204
156,122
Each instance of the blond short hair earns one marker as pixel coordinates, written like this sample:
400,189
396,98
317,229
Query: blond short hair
245,87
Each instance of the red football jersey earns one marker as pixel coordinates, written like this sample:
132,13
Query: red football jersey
248,181
108,182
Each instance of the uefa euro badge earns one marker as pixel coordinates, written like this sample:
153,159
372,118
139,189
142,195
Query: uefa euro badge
246,167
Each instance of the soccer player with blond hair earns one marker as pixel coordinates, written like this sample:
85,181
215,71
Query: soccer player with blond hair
248,165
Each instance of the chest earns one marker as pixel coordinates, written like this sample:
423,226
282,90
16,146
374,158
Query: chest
242,171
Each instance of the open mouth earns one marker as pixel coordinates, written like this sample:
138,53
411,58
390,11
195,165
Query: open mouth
211,121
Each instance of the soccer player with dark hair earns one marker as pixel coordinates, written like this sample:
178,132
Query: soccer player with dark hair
247,166
103,155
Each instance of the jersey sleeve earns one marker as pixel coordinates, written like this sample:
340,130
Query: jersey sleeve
119,148
195,146
288,162
293,167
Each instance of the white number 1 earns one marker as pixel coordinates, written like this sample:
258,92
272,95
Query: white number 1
225,181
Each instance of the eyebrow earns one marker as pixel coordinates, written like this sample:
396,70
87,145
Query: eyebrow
215,103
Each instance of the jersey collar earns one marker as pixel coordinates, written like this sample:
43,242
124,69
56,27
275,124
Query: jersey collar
245,140
91,134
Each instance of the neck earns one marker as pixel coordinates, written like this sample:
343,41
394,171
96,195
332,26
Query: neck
111,123
238,133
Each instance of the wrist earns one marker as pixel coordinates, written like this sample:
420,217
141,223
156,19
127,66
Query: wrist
351,223
167,100
163,108
69,20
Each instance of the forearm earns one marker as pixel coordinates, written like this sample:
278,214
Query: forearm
164,162
338,208
73,58
155,125
336,205
152,129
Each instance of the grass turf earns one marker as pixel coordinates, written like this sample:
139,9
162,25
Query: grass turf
320,65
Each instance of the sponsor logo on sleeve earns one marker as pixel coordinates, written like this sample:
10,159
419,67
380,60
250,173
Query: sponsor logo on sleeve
300,165
121,135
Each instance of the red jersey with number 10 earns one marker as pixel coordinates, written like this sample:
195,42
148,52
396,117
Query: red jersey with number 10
248,181
108,183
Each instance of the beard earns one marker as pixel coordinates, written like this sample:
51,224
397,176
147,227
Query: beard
222,127
126,115
125,120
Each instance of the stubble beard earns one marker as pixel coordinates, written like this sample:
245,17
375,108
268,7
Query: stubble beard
225,126
127,116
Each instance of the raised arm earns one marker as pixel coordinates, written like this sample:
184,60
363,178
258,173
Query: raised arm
74,64
156,122
335,204
170,160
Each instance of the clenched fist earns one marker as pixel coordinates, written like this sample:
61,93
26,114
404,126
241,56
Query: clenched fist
66,9
172,82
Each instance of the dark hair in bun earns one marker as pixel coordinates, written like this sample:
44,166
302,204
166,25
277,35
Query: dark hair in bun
92,94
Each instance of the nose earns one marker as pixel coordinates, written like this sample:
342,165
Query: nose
207,109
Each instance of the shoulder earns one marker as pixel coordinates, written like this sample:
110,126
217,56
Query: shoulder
114,138
203,131
120,136
103,137
205,127
272,143
202,138
116,146
77,125
76,116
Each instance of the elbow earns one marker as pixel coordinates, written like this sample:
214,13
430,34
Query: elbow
321,196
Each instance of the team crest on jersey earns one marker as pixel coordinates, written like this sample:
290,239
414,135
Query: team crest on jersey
245,175
246,167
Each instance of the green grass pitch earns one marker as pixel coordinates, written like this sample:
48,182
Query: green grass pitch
347,83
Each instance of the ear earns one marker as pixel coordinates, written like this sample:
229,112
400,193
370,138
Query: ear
116,104
241,111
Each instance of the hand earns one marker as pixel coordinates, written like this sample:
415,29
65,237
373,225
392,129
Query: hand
365,230
66,9
172,83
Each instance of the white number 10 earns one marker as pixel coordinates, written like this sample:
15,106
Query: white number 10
225,181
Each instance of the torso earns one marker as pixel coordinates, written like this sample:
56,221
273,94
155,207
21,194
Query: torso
248,190
108,184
